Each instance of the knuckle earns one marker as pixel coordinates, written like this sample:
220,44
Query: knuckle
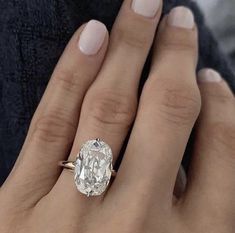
129,36
179,46
54,128
221,96
71,81
179,104
107,107
223,133
175,41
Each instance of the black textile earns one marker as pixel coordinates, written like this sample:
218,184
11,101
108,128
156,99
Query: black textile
33,34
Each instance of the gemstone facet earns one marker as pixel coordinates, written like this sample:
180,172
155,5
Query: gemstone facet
93,168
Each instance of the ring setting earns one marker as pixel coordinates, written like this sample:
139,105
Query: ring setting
92,168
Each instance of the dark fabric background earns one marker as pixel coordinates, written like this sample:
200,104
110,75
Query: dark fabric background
33,34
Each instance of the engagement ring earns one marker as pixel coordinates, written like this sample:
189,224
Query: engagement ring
92,168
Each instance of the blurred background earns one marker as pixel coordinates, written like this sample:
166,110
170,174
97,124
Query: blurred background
220,17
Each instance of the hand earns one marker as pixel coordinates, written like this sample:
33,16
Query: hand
93,94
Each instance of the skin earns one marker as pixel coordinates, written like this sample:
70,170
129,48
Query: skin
39,197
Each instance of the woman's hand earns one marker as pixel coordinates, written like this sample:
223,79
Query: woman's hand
93,94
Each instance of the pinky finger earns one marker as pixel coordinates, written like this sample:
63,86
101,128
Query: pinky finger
211,183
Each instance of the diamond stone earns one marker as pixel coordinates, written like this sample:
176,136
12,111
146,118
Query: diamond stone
93,168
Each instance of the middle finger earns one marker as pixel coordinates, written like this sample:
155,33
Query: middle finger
169,106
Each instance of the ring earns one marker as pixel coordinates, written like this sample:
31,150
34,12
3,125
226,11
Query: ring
92,168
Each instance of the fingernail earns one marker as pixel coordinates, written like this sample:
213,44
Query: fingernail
92,37
181,17
147,8
209,75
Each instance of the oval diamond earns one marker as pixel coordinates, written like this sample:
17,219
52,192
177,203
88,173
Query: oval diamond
93,168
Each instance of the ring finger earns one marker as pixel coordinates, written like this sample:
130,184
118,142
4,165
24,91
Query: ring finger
110,104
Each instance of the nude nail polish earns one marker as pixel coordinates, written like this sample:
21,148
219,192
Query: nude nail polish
181,17
209,75
92,37
147,8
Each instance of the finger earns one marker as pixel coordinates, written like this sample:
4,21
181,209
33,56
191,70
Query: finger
55,122
168,108
110,104
112,98
211,179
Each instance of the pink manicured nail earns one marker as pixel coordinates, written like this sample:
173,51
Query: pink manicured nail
92,37
209,75
147,8
181,17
